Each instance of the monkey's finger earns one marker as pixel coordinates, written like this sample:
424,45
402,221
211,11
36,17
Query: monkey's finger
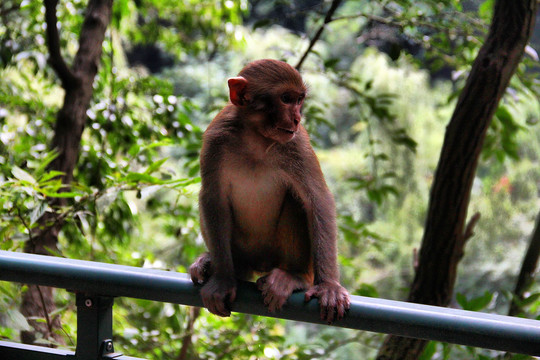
196,280
309,294
340,310
331,313
323,307
216,305
232,295
277,303
221,309
272,305
268,298
327,301
281,302
209,305
193,274
344,303
261,282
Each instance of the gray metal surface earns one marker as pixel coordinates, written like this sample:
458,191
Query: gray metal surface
393,317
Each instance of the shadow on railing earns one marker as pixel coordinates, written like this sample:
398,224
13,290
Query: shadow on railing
96,284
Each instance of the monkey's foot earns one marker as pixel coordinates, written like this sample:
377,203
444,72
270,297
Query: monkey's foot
277,286
333,300
218,294
200,270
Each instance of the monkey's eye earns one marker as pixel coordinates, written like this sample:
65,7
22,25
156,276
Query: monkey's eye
287,98
300,99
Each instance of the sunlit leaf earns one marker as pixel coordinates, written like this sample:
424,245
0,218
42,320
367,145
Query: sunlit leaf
105,201
155,166
37,212
22,175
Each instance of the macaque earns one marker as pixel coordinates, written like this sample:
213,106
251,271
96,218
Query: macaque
265,207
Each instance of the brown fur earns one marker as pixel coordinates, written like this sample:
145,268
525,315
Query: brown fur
265,206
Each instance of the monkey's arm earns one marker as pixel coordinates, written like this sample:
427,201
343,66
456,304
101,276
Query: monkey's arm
333,298
216,223
321,216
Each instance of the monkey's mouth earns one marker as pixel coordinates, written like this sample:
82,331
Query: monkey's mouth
290,132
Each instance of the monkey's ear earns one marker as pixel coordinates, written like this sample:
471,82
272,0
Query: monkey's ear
237,90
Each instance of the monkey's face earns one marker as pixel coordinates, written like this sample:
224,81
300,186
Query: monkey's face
271,95
282,114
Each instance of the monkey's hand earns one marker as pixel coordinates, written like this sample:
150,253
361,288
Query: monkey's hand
277,286
333,300
201,269
218,294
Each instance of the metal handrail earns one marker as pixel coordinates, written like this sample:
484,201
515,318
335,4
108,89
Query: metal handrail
372,314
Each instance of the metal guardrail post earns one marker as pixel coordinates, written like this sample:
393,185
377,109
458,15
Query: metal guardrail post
94,335
94,327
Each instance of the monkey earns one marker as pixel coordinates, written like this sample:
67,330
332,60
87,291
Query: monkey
265,207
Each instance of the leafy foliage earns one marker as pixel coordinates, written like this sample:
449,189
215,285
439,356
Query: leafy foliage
379,118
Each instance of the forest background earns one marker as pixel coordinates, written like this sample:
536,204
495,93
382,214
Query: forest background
384,80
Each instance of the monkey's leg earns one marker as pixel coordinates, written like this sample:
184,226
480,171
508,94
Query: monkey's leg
201,269
278,285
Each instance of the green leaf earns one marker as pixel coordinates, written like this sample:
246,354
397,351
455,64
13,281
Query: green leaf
142,178
461,300
155,166
17,320
120,10
507,119
106,200
59,194
367,290
475,304
37,212
520,357
331,63
486,9
22,175
50,175
157,144
44,163
480,302
530,299
134,150
429,351
148,191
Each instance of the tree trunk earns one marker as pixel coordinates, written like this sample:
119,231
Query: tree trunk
77,82
445,233
528,268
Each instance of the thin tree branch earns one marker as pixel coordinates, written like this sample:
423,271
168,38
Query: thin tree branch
194,313
467,234
45,311
375,18
469,229
334,346
327,19
56,60
527,272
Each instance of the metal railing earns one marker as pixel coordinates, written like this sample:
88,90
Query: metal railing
96,285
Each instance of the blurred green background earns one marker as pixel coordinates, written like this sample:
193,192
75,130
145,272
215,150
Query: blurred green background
383,78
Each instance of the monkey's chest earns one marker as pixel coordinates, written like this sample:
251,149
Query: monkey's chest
256,198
